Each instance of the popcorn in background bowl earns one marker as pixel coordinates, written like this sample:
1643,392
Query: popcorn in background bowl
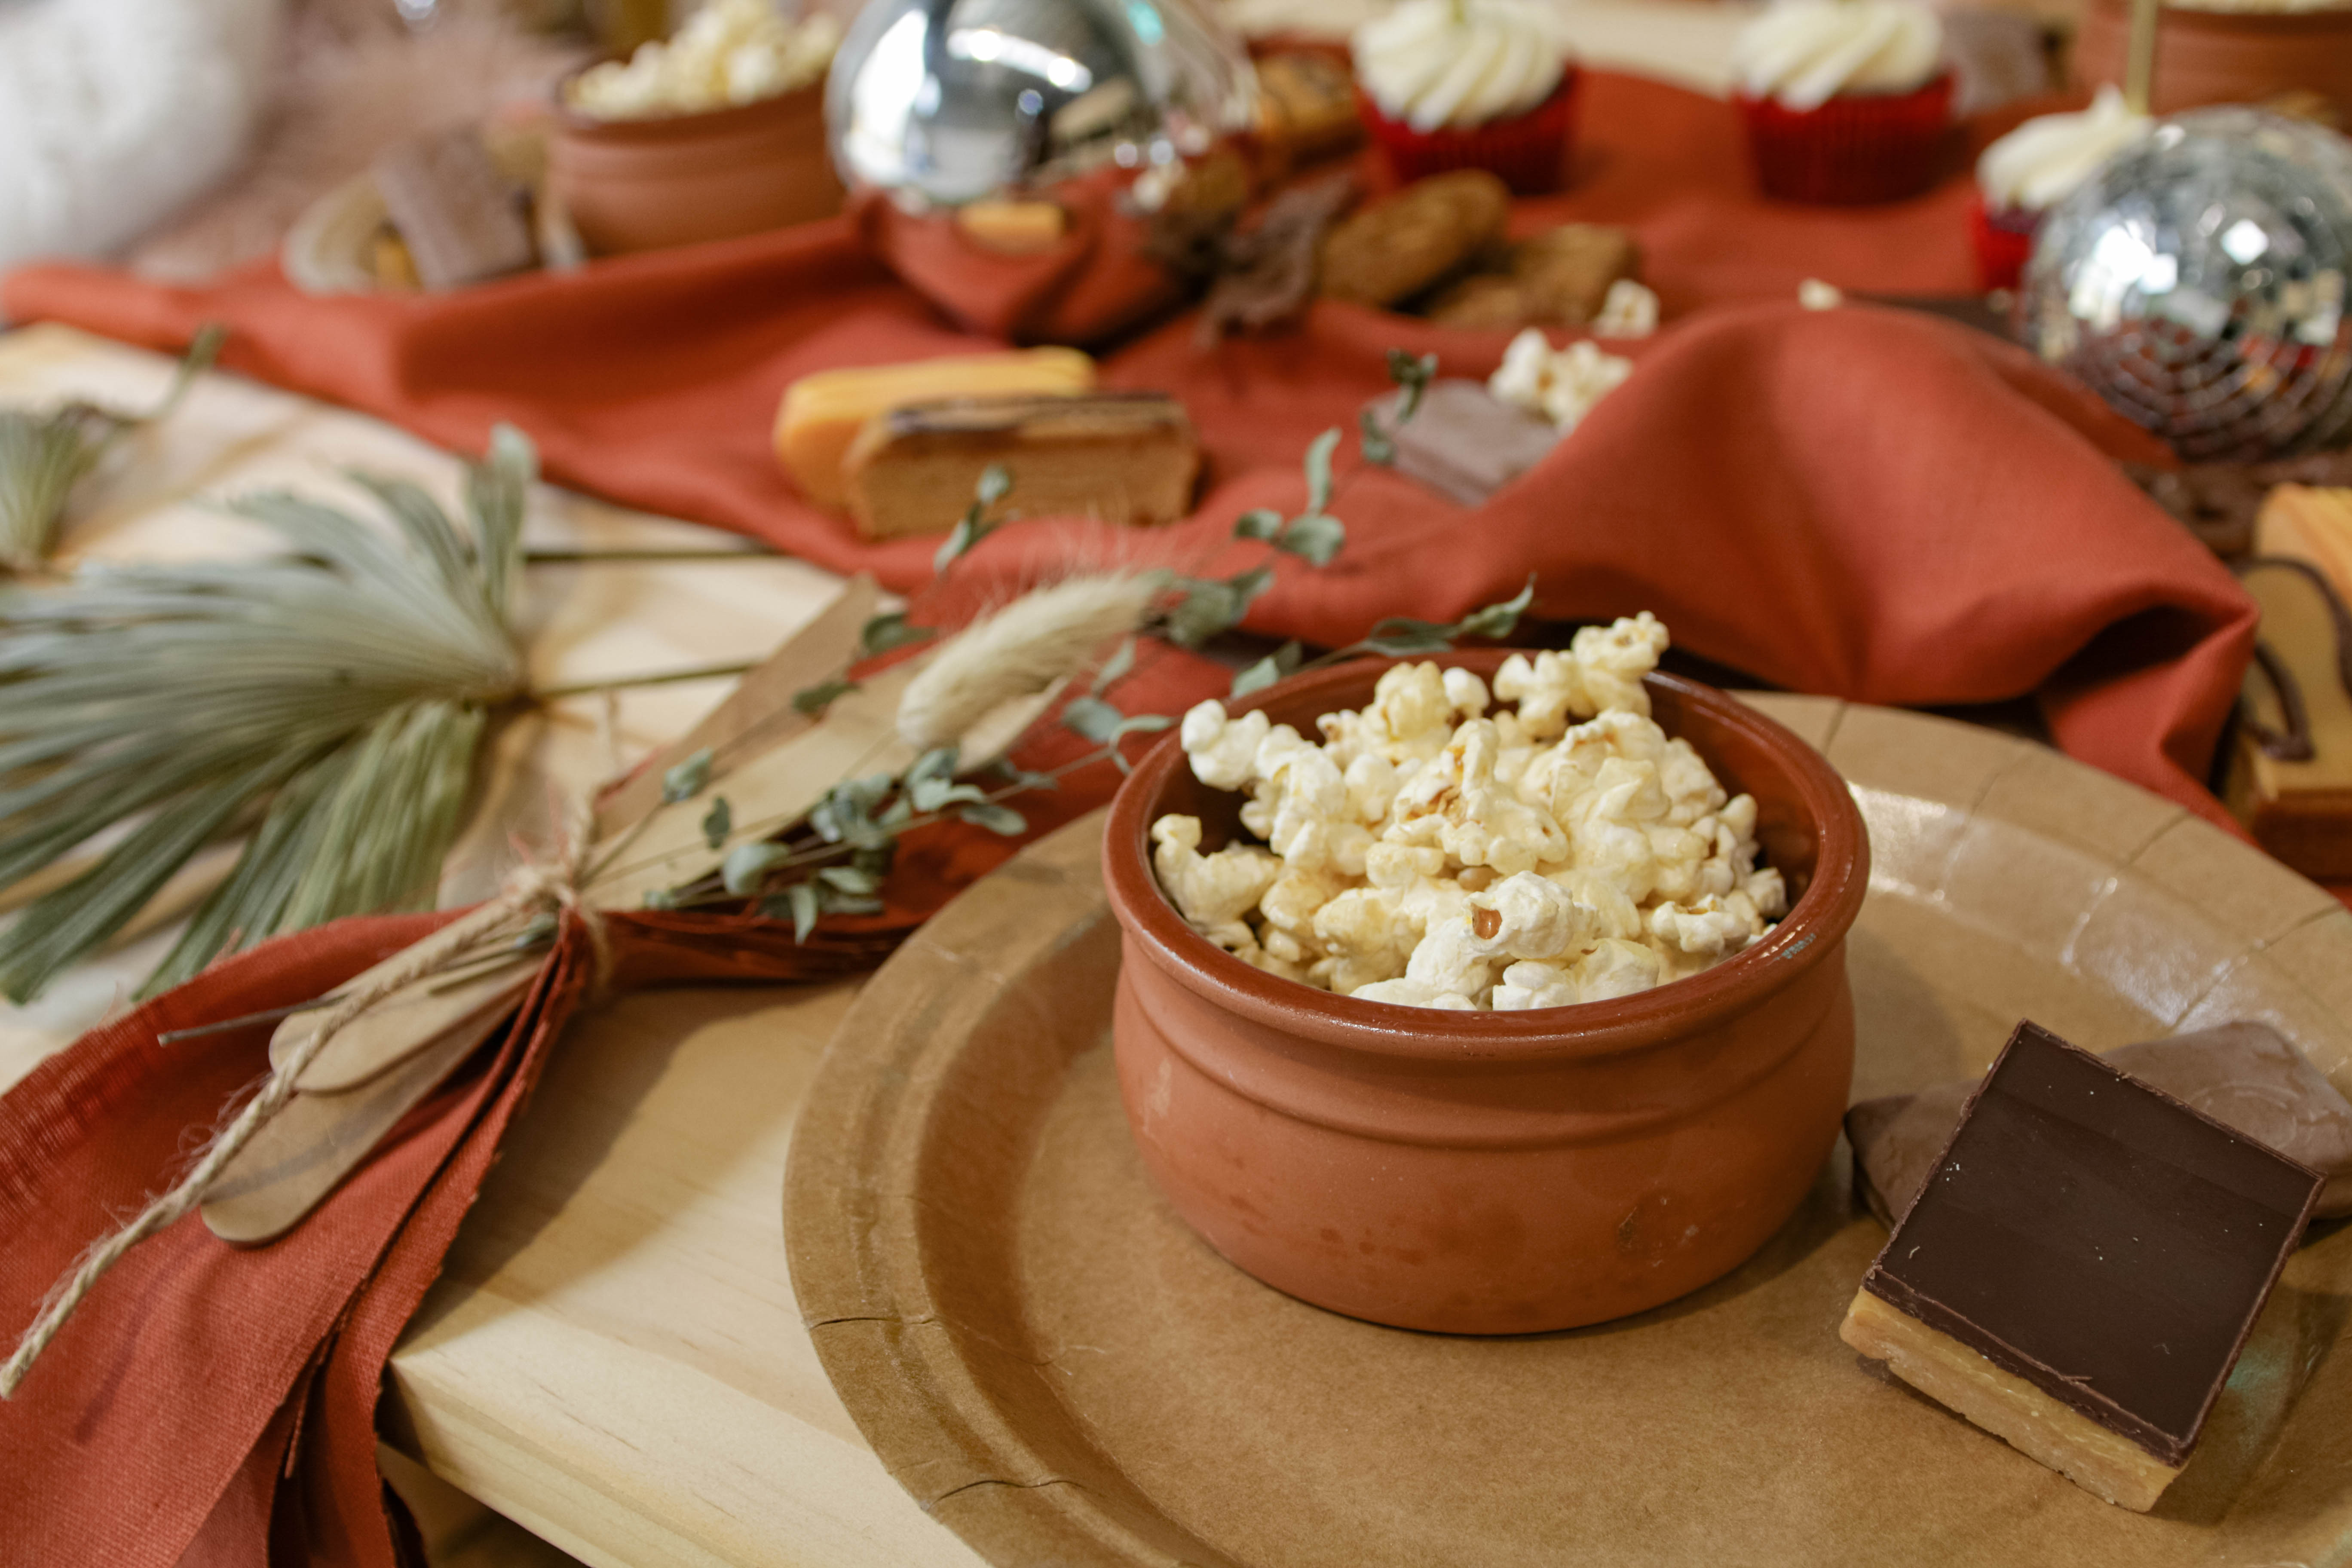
729,52
1439,851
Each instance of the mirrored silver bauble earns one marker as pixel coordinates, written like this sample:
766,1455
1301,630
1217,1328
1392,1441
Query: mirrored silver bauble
2197,283
943,102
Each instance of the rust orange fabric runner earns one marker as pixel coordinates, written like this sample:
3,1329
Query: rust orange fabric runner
1865,502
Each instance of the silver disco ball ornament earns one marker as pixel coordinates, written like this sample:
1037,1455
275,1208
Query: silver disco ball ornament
2197,283
1040,169
938,103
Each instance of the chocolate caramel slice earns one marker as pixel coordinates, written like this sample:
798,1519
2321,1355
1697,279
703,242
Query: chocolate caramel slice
1126,457
2083,1266
2245,1075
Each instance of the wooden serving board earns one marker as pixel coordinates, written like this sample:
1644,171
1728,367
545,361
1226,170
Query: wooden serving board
1059,1371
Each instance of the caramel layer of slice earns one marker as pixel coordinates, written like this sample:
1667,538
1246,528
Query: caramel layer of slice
1947,1372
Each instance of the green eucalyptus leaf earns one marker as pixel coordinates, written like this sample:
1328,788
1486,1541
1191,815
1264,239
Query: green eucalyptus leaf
1116,668
1210,605
884,632
1092,717
1414,376
687,779
1315,537
961,538
931,794
1378,448
1281,662
1400,635
661,898
806,909
1258,523
815,699
1319,470
719,822
939,762
996,819
748,864
1500,620
849,879
996,484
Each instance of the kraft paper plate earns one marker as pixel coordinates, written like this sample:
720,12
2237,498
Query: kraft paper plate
1064,1374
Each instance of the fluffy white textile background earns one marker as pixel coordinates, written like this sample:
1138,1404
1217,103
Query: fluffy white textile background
185,136
114,112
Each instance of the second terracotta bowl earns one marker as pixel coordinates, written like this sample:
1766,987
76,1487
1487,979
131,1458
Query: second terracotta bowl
1493,1173
682,179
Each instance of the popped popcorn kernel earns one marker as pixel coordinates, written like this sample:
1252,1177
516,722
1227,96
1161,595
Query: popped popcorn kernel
1538,842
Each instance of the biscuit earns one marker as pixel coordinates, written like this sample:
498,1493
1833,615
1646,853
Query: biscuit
1407,243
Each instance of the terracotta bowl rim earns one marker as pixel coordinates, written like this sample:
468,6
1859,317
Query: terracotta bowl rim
684,126
1812,932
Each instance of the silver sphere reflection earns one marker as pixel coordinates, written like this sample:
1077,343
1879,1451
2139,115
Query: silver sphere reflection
943,102
2197,283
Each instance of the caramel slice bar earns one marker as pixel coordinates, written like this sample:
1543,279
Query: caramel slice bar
1127,457
462,220
2245,1075
2290,773
2083,1266
824,412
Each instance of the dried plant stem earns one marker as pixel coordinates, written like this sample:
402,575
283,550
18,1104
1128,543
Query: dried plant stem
660,678
565,555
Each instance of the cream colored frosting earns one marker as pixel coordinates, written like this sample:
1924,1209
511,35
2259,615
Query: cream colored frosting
1459,63
1806,52
2038,164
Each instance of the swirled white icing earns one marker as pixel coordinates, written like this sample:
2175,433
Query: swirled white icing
1806,52
1459,63
2038,164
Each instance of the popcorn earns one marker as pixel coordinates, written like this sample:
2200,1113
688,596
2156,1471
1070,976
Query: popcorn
729,52
1438,850
1212,892
1560,385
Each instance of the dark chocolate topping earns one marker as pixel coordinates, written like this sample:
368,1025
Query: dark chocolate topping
2098,1239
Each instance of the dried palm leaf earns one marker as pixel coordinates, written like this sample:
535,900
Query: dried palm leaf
327,703
44,455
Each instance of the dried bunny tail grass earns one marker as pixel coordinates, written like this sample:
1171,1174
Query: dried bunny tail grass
1048,634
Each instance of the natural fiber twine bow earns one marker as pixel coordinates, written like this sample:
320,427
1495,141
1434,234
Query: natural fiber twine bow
549,885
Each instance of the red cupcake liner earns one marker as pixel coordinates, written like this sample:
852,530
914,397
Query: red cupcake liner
1528,151
2004,241
1852,151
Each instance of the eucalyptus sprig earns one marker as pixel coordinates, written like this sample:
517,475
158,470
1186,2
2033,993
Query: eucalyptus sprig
44,455
1397,636
327,704
832,860
1211,606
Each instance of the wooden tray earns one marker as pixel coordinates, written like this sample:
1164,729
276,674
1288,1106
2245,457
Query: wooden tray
1062,1374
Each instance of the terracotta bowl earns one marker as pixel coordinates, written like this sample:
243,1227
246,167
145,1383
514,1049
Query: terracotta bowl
1493,1173
646,184
2223,57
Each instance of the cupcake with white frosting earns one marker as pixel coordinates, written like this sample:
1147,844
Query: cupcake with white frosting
1847,102
2035,167
1468,84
